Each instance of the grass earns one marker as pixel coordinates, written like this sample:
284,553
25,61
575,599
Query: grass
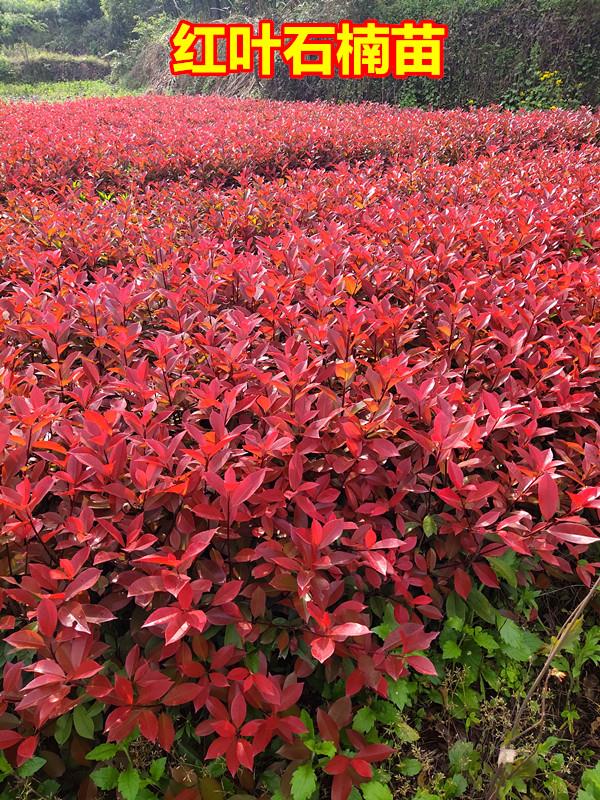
25,53
23,64
59,90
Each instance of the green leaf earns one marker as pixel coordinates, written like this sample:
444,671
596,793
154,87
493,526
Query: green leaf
385,712
319,747
363,721
105,778
375,790
146,793
129,784
388,625
469,698
482,606
547,745
557,787
462,755
31,766
49,788
63,729
406,733
216,768
520,644
456,607
157,769
505,566
490,676
252,661
485,640
450,650
307,720
326,749
84,724
430,527
232,637
570,643
304,782
96,708
103,752
460,785
590,784
399,692
5,767
410,767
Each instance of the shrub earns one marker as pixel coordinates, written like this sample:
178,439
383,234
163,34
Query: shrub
6,69
270,404
33,66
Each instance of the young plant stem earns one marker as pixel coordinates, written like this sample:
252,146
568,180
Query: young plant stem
564,632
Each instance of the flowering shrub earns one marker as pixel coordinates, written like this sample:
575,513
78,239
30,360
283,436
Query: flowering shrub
277,381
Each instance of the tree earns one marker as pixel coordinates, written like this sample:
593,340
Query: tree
79,12
121,16
15,26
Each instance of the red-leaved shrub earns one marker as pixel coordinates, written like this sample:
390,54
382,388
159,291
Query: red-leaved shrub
266,371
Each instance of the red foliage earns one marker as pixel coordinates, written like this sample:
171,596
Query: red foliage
232,404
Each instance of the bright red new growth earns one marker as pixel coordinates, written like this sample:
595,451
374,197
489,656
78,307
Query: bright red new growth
266,370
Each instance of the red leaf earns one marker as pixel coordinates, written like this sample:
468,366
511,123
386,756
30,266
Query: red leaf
322,648
26,749
362,768
355,682
85,580
268,689
176,629
247,487
328,727
349,629
25,640
486,574
180,694
548,496
166,732
227,593
572,532
47,617
337,766
341,787
376,752
9,739
462,583
198,543
421,664
148,725
162,616
238,709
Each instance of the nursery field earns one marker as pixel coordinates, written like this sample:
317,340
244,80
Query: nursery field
300,451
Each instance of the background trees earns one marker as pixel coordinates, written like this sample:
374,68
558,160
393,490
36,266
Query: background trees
530,53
